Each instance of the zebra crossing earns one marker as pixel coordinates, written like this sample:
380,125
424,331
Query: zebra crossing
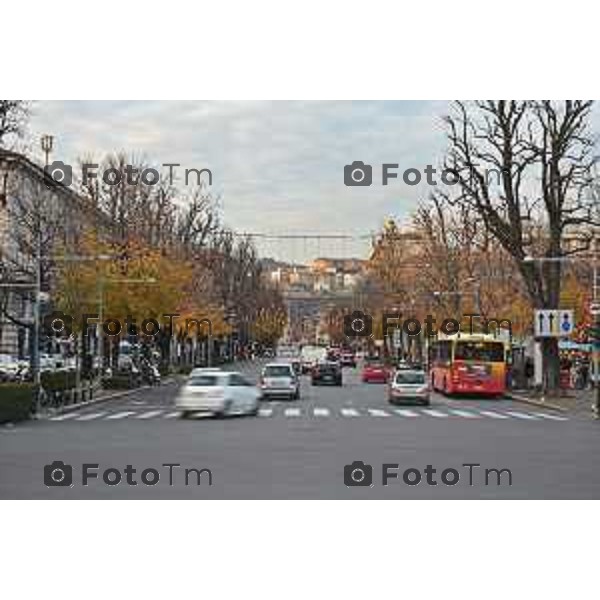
322,413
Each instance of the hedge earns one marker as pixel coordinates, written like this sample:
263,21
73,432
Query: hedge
58,381
16,401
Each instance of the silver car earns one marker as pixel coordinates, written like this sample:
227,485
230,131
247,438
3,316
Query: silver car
279,380
219,393
409,385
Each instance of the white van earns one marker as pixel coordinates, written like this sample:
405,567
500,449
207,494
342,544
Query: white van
310,356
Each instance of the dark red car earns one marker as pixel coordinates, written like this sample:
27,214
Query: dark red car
374,371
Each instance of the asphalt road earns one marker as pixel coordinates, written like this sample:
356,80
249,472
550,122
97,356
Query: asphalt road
298,449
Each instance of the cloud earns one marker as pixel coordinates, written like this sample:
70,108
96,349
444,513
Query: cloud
278,165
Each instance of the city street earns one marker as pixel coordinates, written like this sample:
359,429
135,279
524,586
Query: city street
298,449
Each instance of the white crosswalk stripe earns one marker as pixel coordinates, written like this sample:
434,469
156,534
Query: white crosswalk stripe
550,416
91,416
149,415
404,412
493,415
520,415
64,417
464,413
321,412
434,413
349,412
376,412
121,415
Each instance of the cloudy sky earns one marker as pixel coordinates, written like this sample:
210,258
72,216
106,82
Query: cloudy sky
278,166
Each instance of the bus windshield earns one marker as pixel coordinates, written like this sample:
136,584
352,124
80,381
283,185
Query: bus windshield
483,351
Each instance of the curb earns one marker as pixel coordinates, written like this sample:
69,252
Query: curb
539,403
79,405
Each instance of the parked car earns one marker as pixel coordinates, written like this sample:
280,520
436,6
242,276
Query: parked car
219,393
409,386
9,367
374,371
279,380
326,372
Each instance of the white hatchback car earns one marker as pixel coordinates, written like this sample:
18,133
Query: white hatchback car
409,385
220,393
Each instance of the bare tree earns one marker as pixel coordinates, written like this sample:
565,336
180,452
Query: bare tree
13,118
520,161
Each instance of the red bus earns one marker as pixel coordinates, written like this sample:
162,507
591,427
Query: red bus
469,364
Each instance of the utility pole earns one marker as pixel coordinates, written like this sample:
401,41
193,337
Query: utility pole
35,351
596,337
100,347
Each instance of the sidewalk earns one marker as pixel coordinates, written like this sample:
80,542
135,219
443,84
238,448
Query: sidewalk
574,402
102,395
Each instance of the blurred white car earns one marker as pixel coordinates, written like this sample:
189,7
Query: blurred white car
220,393
279,379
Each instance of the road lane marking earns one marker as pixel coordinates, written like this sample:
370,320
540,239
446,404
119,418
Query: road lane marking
292,412
64,417
350,412
172,415
121,415
520,415
150,414
321,412
91,416
493,415
434,413
265,412
404,412
551,417
464,413
376,412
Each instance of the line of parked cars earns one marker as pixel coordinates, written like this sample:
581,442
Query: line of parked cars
13,369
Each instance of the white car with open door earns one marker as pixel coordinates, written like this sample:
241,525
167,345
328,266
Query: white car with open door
220,393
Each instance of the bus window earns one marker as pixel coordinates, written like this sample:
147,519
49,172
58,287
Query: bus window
482,351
